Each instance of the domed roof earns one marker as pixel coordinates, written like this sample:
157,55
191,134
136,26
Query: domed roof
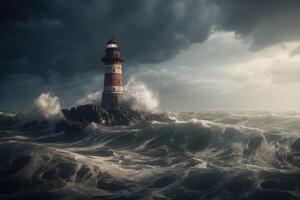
112,40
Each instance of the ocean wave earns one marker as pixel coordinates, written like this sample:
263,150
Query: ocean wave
218,156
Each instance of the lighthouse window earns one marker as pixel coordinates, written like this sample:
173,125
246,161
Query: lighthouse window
113,70
113,89
112,45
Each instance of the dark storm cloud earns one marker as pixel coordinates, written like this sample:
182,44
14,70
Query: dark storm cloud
18,91
265,22
56,45
67,37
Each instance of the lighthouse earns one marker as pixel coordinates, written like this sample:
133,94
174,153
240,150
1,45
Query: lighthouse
113,82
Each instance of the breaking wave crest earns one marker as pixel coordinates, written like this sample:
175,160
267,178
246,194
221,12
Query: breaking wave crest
137,95
140,97
91,98
45,107
202,155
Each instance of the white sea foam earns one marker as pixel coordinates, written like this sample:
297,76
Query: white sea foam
5,114
137,94
46,106
140,96
91,98
152,156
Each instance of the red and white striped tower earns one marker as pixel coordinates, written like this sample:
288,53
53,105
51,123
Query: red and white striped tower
113,83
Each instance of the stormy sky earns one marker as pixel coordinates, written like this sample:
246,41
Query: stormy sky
194,54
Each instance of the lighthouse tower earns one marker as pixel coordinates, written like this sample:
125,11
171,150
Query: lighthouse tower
113,83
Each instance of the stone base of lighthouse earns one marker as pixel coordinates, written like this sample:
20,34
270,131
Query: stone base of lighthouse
111,100
78,118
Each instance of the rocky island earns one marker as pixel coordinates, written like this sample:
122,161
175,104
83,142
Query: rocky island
77,118
113,111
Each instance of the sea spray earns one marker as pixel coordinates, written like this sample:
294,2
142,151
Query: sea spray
90,98
137,94
212,155
45,107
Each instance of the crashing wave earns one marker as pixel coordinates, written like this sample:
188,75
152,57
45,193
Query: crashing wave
91,98
201,156
140,97
137,95
208,155
138,104
45,107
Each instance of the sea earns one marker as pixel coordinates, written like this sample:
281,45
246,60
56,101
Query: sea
200,155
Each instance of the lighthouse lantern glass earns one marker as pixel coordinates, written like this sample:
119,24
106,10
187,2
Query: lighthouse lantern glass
112,45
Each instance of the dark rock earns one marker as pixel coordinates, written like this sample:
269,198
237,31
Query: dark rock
70,127
87,113
79,117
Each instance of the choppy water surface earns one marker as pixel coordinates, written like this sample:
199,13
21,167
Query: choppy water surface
212,155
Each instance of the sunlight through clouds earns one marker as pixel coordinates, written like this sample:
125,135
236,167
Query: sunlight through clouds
224,71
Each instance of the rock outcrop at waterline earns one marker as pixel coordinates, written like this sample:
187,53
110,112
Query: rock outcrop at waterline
79,117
